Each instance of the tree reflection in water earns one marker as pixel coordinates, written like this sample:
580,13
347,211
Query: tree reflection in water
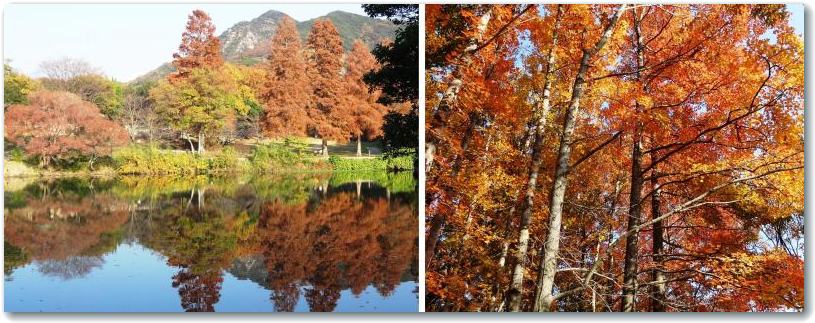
70,268
310,238
63,226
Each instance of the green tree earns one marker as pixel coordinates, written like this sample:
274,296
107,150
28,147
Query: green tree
106,93
397,77
16,87
201,104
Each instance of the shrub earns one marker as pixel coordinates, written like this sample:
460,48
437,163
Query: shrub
15,154
356,164
151,160
401,159
271,157
226,160
400,163
387,162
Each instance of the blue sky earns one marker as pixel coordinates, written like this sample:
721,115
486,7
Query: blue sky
123,40
797,17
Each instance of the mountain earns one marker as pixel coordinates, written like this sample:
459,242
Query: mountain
246,35
248,42
352,26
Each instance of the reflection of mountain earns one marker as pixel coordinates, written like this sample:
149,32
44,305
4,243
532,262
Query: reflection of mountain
252,268
284,235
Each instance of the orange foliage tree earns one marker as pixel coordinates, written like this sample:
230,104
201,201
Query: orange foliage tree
307,244
199,46
365,112
680,126
328,116
285,93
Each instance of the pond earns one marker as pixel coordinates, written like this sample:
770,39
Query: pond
303,242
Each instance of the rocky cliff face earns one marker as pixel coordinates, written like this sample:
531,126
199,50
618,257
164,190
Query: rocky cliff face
246,35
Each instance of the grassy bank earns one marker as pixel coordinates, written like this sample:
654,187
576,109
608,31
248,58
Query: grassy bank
257,157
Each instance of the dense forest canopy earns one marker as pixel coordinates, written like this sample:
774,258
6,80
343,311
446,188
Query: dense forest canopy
614,158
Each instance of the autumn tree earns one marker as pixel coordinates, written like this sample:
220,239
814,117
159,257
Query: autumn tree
551,248
16,87
202,103
684,159
328,118
203,97
199,48
105,93
365,112
88,82
249,80
59,126
285,93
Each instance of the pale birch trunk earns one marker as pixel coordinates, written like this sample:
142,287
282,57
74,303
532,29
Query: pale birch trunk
201,141
359,145
515,292
544,297
449,95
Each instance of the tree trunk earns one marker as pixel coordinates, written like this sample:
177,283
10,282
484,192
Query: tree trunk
201,198
189,140
635,200
610,290
546,281
515,291
611,280
436,225
450,94
324,147
90,161
429,151
465,144
359,145
634,219
658,288
201,142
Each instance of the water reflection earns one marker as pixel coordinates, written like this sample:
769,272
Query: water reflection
303,239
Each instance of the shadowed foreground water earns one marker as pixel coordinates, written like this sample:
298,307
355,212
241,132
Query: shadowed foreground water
310,242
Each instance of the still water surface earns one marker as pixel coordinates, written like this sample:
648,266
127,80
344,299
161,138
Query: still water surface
307,242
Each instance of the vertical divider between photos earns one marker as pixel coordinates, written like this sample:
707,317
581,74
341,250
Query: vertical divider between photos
422,175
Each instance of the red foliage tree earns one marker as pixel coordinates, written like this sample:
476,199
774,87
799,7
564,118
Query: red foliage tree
365,113
58,125
326,114
286,90
199,46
